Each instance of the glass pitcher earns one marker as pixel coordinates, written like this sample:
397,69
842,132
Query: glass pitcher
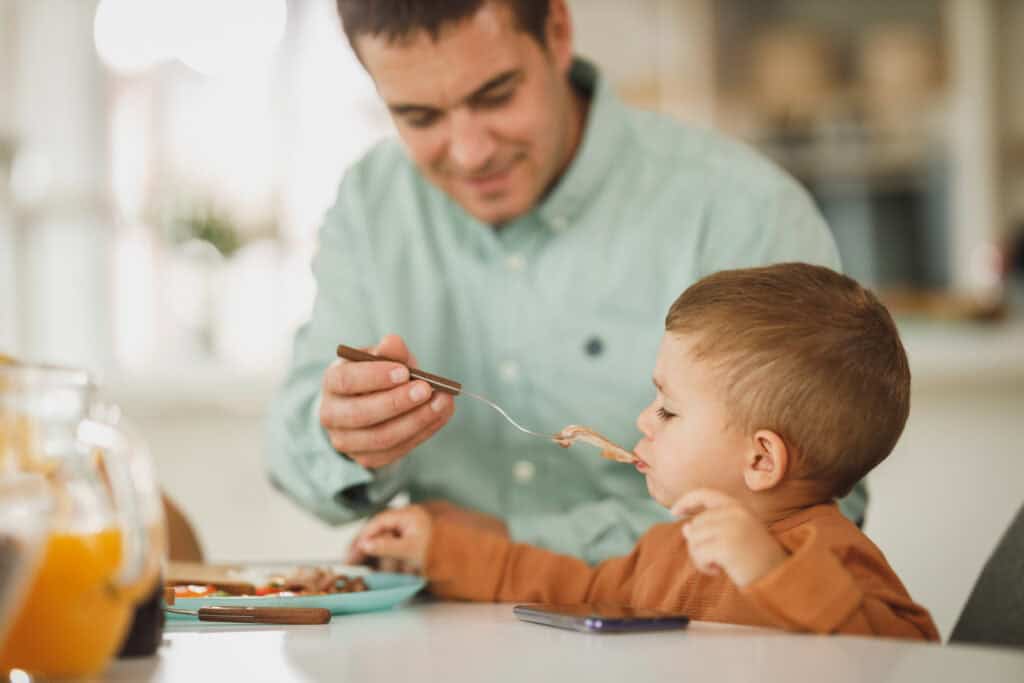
105,539
26,507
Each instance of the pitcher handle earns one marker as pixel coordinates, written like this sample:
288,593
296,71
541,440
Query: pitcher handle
136,496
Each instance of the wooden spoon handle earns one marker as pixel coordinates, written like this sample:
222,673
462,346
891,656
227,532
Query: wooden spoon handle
448,386
266,615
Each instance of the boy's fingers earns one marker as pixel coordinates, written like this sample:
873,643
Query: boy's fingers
389,565
685,511
354,555
386,523
388,547
711,569
695,502
703,556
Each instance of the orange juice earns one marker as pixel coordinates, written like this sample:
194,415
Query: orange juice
75,616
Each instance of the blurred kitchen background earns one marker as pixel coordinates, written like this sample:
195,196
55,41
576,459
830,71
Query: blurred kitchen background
164,167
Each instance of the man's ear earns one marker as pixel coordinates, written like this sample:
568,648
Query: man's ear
558,34
767,462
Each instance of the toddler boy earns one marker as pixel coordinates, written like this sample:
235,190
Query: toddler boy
777,389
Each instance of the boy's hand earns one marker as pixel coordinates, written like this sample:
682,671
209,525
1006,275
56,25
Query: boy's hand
398,538
722,535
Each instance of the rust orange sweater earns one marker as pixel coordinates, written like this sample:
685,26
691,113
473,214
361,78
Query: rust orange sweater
835,580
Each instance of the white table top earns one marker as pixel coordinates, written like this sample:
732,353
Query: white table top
453,642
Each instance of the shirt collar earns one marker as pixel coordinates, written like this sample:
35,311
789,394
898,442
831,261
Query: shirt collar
603,132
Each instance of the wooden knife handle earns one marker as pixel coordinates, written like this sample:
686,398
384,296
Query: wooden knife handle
448,386
266,615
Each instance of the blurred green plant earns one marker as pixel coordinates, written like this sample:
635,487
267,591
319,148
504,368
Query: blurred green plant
183,221
206,224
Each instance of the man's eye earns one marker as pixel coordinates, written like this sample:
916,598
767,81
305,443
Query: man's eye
420,120
493,101
664,414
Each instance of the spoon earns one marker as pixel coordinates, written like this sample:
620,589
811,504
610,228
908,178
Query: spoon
448,386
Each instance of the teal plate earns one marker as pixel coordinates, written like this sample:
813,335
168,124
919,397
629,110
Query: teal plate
385,591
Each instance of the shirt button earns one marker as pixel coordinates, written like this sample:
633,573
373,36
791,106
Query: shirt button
509,371
515,263
524,471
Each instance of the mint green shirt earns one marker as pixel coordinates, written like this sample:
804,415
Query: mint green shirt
555,316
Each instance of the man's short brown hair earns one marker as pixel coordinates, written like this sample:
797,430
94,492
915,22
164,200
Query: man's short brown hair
807,353
397,20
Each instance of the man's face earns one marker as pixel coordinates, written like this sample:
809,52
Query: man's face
485,111
688,442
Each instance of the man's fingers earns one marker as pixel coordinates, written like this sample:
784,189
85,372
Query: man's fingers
349,378
393,346
368,410
377,459
394,432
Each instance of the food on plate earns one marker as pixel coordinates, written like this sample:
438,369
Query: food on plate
313,581
609,449
299,582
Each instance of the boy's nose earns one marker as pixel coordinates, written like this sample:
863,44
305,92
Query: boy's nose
643,422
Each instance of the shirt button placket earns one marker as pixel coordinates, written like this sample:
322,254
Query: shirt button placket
524,471
515,263
509,371
559,223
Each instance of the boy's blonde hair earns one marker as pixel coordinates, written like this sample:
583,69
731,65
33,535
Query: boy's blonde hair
807,353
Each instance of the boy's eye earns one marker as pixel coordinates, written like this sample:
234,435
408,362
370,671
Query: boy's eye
664,414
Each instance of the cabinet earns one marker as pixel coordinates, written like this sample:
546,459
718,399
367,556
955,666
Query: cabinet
892,115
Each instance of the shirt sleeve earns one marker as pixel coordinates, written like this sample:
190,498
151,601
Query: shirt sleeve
469,564
778,224
815,591
592,531
300,458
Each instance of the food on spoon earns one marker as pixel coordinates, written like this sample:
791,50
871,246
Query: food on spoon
609,449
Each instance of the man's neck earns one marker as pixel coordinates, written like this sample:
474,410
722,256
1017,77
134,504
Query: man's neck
579,108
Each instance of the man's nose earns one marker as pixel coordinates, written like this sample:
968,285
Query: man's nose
471,146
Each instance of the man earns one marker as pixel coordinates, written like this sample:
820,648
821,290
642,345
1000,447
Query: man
525,242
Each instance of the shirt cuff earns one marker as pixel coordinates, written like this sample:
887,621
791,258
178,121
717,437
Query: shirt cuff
810,591
338,477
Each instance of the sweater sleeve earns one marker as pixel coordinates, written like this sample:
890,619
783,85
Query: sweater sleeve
815,590
470,564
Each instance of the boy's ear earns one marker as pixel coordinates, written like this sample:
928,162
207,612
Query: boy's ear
768,461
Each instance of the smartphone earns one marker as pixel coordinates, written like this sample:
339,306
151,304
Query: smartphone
599,618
